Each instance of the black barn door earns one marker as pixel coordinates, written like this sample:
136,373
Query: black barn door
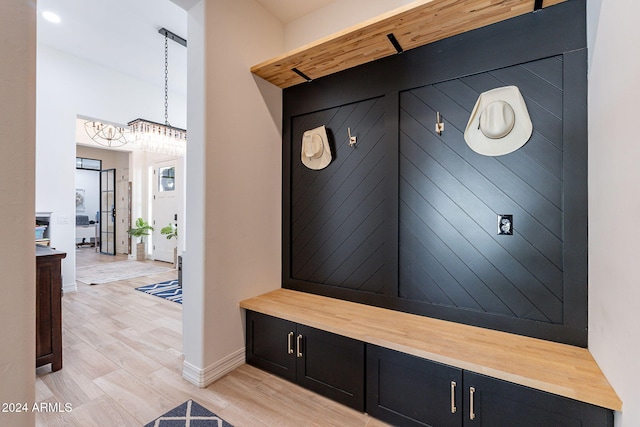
108,211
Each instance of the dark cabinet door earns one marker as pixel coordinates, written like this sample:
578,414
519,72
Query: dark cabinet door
270,344
408,391
326,363
490,402
49,307
331,365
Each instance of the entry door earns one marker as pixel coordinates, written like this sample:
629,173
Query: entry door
108,211
165,209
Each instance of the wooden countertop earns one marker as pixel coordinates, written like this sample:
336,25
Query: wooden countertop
544,365
47,251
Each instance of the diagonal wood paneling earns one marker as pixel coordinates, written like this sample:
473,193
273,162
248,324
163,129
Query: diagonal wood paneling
449,198
339,215
441,255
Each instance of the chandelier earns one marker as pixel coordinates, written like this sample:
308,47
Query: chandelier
106,134
147,135
157,137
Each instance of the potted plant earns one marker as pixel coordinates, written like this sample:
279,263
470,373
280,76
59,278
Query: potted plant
141,229
170,231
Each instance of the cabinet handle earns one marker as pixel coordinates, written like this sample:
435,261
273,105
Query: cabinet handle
299,345
453,397
472,415
290,343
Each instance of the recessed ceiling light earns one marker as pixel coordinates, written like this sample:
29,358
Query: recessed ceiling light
51,17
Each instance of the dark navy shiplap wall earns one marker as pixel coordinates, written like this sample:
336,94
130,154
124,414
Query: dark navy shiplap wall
408,219
450,253
339,216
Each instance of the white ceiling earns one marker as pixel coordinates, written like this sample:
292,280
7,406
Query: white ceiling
120,34
123,34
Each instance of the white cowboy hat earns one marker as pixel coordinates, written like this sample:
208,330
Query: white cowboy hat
315,152
499,123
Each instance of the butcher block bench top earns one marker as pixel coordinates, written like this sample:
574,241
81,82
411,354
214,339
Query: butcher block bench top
560,369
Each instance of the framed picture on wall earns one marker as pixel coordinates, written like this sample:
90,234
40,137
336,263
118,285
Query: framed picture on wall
79,200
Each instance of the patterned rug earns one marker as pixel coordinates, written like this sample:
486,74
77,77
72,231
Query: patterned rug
118,270
189,414
169,290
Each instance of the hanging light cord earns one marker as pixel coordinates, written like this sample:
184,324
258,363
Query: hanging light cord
166,81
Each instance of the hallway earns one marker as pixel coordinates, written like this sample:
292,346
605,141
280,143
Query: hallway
122,366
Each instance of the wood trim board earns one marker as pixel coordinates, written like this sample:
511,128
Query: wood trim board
413,25
556,368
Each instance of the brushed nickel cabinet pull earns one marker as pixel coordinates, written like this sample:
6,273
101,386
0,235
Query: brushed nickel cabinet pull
290,343
299,345
453,397
472,415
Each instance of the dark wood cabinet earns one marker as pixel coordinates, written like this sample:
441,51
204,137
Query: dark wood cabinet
49,307
270,344
406,390
489,402
331,365
326,363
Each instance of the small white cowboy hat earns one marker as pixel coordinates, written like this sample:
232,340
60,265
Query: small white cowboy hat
499,123
315,153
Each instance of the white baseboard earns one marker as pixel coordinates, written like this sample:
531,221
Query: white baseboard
203,377
69,287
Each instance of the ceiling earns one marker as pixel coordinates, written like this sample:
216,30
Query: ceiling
123,34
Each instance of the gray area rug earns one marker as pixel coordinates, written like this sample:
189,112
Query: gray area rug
189,414
118,270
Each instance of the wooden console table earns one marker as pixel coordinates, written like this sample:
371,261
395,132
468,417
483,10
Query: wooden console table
49,307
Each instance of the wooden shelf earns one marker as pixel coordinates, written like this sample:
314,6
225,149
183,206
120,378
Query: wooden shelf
413,25
556,368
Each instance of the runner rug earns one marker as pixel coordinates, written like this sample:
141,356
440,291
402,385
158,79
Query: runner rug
189,414
169,290
117,270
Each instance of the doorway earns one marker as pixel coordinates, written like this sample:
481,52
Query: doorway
108,211
102,185
165,207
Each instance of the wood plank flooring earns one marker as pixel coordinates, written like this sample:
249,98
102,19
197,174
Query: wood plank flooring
122,354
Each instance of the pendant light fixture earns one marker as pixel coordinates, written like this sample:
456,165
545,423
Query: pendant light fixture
106,134
157,137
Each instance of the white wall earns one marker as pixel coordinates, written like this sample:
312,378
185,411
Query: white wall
17,253
233,220
69,86
111,159
614,198
335,17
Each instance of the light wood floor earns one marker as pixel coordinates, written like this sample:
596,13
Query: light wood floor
122,357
